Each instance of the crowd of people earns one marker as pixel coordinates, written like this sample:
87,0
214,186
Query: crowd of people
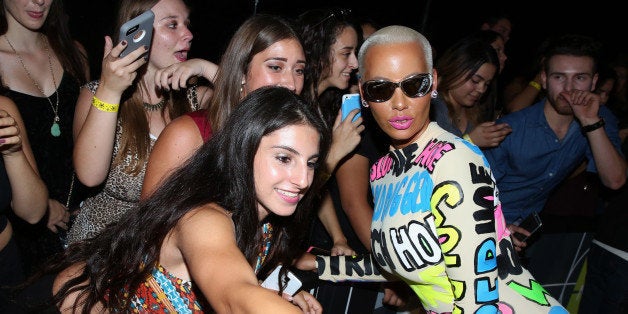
176,184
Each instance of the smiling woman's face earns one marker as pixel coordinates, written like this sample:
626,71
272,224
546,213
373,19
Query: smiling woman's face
344,60
281,64
284,168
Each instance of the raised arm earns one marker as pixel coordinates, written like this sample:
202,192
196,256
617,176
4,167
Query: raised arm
96,115
345,138
178,75
206,239
525,95
183,74
611,166
29,193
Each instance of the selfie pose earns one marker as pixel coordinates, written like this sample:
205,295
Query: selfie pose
119,117
200,239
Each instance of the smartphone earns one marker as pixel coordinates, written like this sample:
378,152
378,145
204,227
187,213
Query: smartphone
272,282
137,32
531,223
350,102
318,251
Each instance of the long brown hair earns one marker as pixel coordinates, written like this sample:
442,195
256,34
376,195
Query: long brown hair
56,30
458,64
135,138
221,172
252,37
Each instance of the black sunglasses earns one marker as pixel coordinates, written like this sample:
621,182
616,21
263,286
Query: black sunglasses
415,86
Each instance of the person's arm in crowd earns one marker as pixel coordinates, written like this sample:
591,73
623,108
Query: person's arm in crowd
177,142
206,239
28,192
183,74
345,138
353,183
327,215
610,164
96,114
526,96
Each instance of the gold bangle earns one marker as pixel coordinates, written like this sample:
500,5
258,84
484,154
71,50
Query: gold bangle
535,85
103,106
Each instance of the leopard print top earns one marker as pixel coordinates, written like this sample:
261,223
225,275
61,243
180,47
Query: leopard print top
120,192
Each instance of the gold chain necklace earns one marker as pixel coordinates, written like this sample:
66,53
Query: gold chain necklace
54,129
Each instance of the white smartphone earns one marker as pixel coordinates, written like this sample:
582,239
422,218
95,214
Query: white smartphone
137,32
350,102
272,282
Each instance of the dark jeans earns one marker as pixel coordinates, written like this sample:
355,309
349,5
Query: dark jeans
606,283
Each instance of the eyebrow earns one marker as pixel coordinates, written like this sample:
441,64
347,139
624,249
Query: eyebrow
283,59
174,17
568,72
294,151
480,76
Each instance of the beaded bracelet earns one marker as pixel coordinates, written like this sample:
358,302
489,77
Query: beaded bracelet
535,85
103,106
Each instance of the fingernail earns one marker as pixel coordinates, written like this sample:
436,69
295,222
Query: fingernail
2,141
145,47
145,58
124,43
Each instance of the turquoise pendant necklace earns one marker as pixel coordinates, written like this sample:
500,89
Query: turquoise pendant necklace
55,130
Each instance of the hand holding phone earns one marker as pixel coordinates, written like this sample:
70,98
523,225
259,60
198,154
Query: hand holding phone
137,32
531,223
272,282
350,102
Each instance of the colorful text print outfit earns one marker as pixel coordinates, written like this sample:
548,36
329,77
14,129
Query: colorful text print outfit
438,226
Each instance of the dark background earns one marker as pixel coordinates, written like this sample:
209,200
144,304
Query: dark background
213,22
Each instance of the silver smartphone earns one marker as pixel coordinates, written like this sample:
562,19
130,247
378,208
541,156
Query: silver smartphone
137,32
272,282
350,102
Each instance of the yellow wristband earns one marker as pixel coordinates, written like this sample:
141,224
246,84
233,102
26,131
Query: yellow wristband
535,85
467,137
103,106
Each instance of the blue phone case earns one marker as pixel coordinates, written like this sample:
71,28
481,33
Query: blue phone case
350,102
